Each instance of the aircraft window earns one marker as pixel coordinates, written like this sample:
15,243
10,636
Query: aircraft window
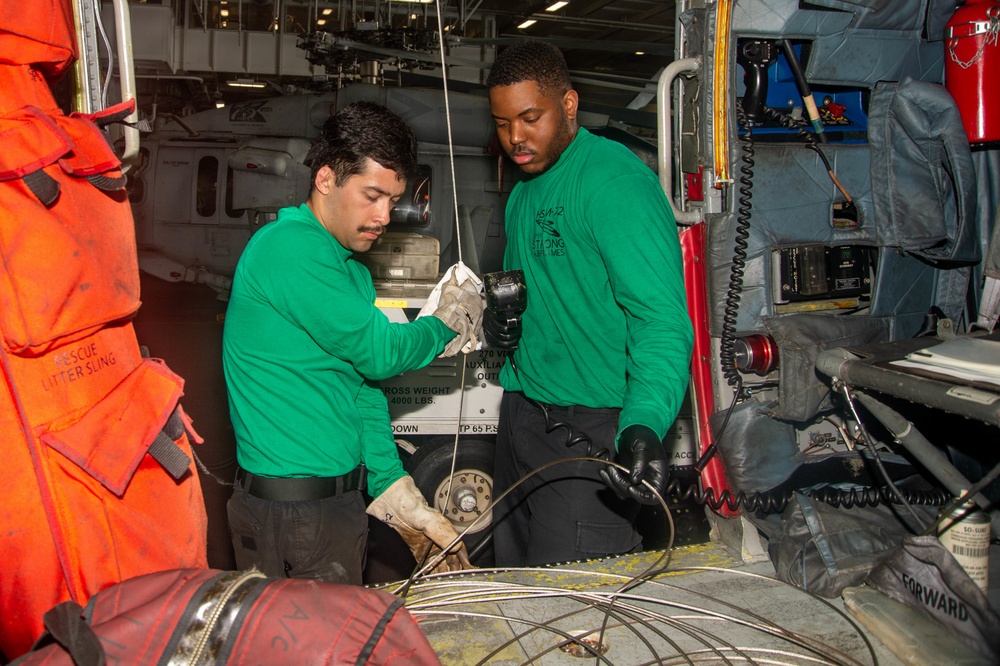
208,186
230,211
297,18
414,209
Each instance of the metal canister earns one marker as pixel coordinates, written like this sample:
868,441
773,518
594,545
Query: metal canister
965,532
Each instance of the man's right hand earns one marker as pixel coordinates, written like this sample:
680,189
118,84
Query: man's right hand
501,331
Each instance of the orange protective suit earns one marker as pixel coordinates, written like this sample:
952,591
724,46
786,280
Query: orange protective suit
97,477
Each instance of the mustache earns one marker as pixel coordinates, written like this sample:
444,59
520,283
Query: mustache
375,229
522,151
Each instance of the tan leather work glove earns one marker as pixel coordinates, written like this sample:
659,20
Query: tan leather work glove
460,307
424,529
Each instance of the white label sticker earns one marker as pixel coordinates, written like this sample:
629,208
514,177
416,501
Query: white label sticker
973,394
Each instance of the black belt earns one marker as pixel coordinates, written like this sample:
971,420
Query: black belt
301,489
578,409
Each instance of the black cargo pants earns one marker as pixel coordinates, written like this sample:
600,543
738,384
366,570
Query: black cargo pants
323,539
565,512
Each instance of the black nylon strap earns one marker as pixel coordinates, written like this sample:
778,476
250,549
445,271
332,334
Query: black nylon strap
114,114
378,631
43,186
166,452
107,183
64,624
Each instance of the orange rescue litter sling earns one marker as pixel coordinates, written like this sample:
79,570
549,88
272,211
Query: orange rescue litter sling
97,474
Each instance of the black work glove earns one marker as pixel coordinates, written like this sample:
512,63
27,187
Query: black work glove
643,452
501,331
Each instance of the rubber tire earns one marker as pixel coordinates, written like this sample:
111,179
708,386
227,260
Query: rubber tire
430,465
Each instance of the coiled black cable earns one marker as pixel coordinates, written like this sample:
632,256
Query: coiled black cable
862,497
572,438
758,502
551,425
727,354
776,501
797,124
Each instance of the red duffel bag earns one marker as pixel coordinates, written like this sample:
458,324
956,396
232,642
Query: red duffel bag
206,617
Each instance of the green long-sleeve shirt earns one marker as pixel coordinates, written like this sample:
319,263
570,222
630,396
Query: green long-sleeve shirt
606,323
303,349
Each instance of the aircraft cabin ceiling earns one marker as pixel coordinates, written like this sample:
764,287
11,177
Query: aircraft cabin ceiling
628,38
193,53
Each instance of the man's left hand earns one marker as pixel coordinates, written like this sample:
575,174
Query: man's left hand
643,453
424,529
460,307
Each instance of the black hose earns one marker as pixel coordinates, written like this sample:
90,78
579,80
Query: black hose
976,488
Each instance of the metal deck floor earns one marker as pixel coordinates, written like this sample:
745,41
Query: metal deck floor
709,607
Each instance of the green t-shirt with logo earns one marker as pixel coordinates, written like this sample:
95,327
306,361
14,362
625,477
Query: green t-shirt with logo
303,349
606,323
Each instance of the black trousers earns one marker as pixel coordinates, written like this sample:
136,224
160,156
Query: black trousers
320,539
565,512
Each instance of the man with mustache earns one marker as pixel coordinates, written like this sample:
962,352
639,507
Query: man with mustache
304,348
604,345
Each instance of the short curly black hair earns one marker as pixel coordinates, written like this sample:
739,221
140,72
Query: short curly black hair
359,131
531,60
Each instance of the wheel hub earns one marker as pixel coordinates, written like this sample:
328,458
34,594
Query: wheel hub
470,497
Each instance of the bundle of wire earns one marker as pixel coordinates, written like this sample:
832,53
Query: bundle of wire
588,614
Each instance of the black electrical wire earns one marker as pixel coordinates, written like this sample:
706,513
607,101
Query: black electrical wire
799,125
804,91
712,449
976,488
873,449
727,354
551,425
756,502
775,501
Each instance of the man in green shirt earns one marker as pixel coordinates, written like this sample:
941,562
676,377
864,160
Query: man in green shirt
304,348
604,346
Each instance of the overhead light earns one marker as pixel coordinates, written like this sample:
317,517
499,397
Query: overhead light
640,53
527,24
556,7
245,83
413,17
220,105
327,11
321,22
224,12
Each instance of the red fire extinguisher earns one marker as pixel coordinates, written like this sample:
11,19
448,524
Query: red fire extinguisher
972,67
